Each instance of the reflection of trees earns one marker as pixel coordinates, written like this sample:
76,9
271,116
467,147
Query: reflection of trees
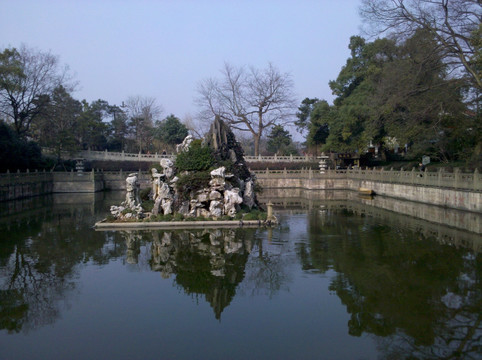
39,264
423,297
207,262
267,268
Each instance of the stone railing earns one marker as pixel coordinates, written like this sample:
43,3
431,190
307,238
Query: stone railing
123,156
23,177
456,180
278,158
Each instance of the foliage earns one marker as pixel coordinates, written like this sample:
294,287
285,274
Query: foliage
178,217
398,91
142,113
118,129
314,116
255,214
27,81
170,130
144,194
91,128
57,126
192,181
280,142
160,218
17,153
196,158
452,24
304,112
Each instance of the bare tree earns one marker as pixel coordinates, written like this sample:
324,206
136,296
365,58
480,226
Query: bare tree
196,128
455,24
27,80
251,101
142,112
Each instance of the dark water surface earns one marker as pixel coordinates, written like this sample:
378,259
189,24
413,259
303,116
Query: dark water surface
333,281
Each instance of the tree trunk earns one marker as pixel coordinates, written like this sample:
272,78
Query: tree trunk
256,144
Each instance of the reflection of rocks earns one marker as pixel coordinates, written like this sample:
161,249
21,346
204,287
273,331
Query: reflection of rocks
133,246
209,262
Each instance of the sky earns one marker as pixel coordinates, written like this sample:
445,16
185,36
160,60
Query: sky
165,48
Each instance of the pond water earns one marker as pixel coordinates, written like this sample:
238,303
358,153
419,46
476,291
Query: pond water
330,282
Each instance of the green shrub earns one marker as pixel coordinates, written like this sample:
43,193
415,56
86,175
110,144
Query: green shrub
148,205
144,194
255,215
197,158
192,182
178,217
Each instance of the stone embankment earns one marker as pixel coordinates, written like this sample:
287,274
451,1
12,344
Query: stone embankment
452,190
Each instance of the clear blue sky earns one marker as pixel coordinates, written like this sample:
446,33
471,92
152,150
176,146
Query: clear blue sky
164,48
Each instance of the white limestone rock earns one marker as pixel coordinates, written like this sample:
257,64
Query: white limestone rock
231,201
249,195
216,208
218,173
215,195
184,146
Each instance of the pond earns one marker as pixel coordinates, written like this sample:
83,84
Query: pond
333,281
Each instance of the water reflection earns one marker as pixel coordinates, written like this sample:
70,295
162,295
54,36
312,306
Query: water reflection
208,263
411,286
41,252
419,297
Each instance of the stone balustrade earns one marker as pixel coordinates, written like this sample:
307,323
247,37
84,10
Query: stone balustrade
123,156
440,179
453,190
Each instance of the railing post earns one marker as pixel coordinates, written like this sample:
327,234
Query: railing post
291,157
285,172
123,155
456,178
310,173
476,179
267,171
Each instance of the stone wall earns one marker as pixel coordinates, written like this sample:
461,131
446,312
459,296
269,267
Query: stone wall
116,180
393,184
25,185
65,182
456,190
